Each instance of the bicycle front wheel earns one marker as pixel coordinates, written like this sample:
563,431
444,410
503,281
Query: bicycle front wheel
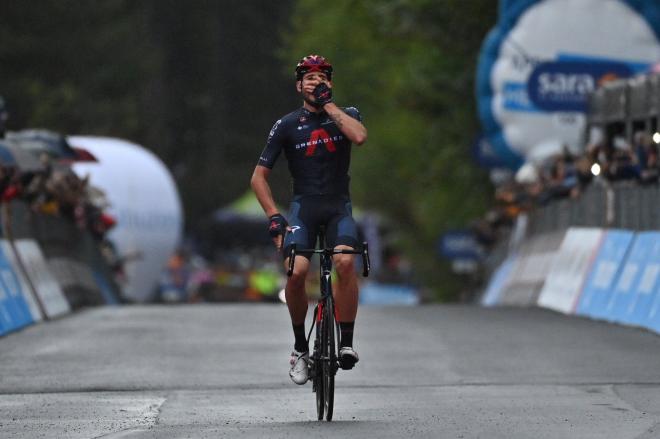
318,356
330,356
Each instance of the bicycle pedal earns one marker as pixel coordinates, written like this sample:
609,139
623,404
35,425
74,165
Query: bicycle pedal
347,364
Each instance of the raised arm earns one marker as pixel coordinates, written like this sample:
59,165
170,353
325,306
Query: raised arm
352,128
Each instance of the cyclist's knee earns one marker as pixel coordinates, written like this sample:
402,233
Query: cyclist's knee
297,278
344,265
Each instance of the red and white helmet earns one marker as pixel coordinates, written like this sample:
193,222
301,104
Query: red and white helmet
313,63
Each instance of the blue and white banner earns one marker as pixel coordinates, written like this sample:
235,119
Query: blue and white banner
599,286
498,282
14,309
374,293
653,319
646,290
543,57
628,280
460,244
23,284
571,264
566,85
49,292
6,320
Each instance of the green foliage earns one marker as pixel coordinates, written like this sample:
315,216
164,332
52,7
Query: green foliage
196,81
409,66
73,66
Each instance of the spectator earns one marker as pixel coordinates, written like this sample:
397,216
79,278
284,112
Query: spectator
646,158
623,162
583,171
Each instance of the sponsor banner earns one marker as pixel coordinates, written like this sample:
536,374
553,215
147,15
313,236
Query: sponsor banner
49,292
373,293
498,281
460,244
571,264
566,85
13,297
28,295
645,290
653,320
628,280
536,68
535,257
6,320
599,286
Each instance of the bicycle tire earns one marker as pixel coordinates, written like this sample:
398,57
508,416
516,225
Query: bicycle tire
318,370
331,359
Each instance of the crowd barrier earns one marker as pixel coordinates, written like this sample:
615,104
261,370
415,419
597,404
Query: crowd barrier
605,273
49,267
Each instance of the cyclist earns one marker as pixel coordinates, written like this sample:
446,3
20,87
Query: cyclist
316,140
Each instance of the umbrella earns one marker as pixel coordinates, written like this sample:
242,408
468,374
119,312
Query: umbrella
6,157
44,141
14,155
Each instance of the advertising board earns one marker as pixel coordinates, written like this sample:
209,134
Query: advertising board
539,64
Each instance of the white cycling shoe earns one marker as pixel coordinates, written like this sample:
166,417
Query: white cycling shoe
299,372
348,357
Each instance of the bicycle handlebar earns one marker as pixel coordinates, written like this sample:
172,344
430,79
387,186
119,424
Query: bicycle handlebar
366,263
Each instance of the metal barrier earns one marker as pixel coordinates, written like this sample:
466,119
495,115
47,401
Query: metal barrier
72,255
624,205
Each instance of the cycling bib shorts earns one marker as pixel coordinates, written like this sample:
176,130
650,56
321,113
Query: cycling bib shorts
309,212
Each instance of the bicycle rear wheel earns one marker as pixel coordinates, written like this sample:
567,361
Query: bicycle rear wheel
330,355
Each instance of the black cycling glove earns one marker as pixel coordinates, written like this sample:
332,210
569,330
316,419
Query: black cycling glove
322,95
277,225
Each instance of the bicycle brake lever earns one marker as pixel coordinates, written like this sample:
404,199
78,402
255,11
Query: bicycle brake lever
292,260
366,263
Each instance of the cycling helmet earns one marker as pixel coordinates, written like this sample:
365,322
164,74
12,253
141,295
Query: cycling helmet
313,63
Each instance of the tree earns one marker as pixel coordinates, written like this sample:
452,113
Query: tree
198,82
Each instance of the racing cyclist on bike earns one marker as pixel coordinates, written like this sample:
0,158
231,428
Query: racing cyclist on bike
316,140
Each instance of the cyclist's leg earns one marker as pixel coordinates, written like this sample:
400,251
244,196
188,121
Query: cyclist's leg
303,235
342,234
296,296
346,288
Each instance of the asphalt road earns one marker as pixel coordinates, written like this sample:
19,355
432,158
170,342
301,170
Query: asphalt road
433,371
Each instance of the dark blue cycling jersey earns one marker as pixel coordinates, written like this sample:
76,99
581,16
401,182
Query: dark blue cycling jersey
319,154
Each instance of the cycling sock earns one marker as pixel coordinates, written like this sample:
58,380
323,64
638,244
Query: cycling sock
301,340
346,329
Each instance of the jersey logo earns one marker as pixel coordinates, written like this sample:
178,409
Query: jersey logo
319,136
293,229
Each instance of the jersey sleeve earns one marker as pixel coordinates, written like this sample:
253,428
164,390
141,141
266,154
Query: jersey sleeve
354,113
274,146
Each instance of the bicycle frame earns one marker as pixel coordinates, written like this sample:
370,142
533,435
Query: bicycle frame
323,361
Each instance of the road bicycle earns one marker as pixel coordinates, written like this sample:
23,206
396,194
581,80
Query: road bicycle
324,359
